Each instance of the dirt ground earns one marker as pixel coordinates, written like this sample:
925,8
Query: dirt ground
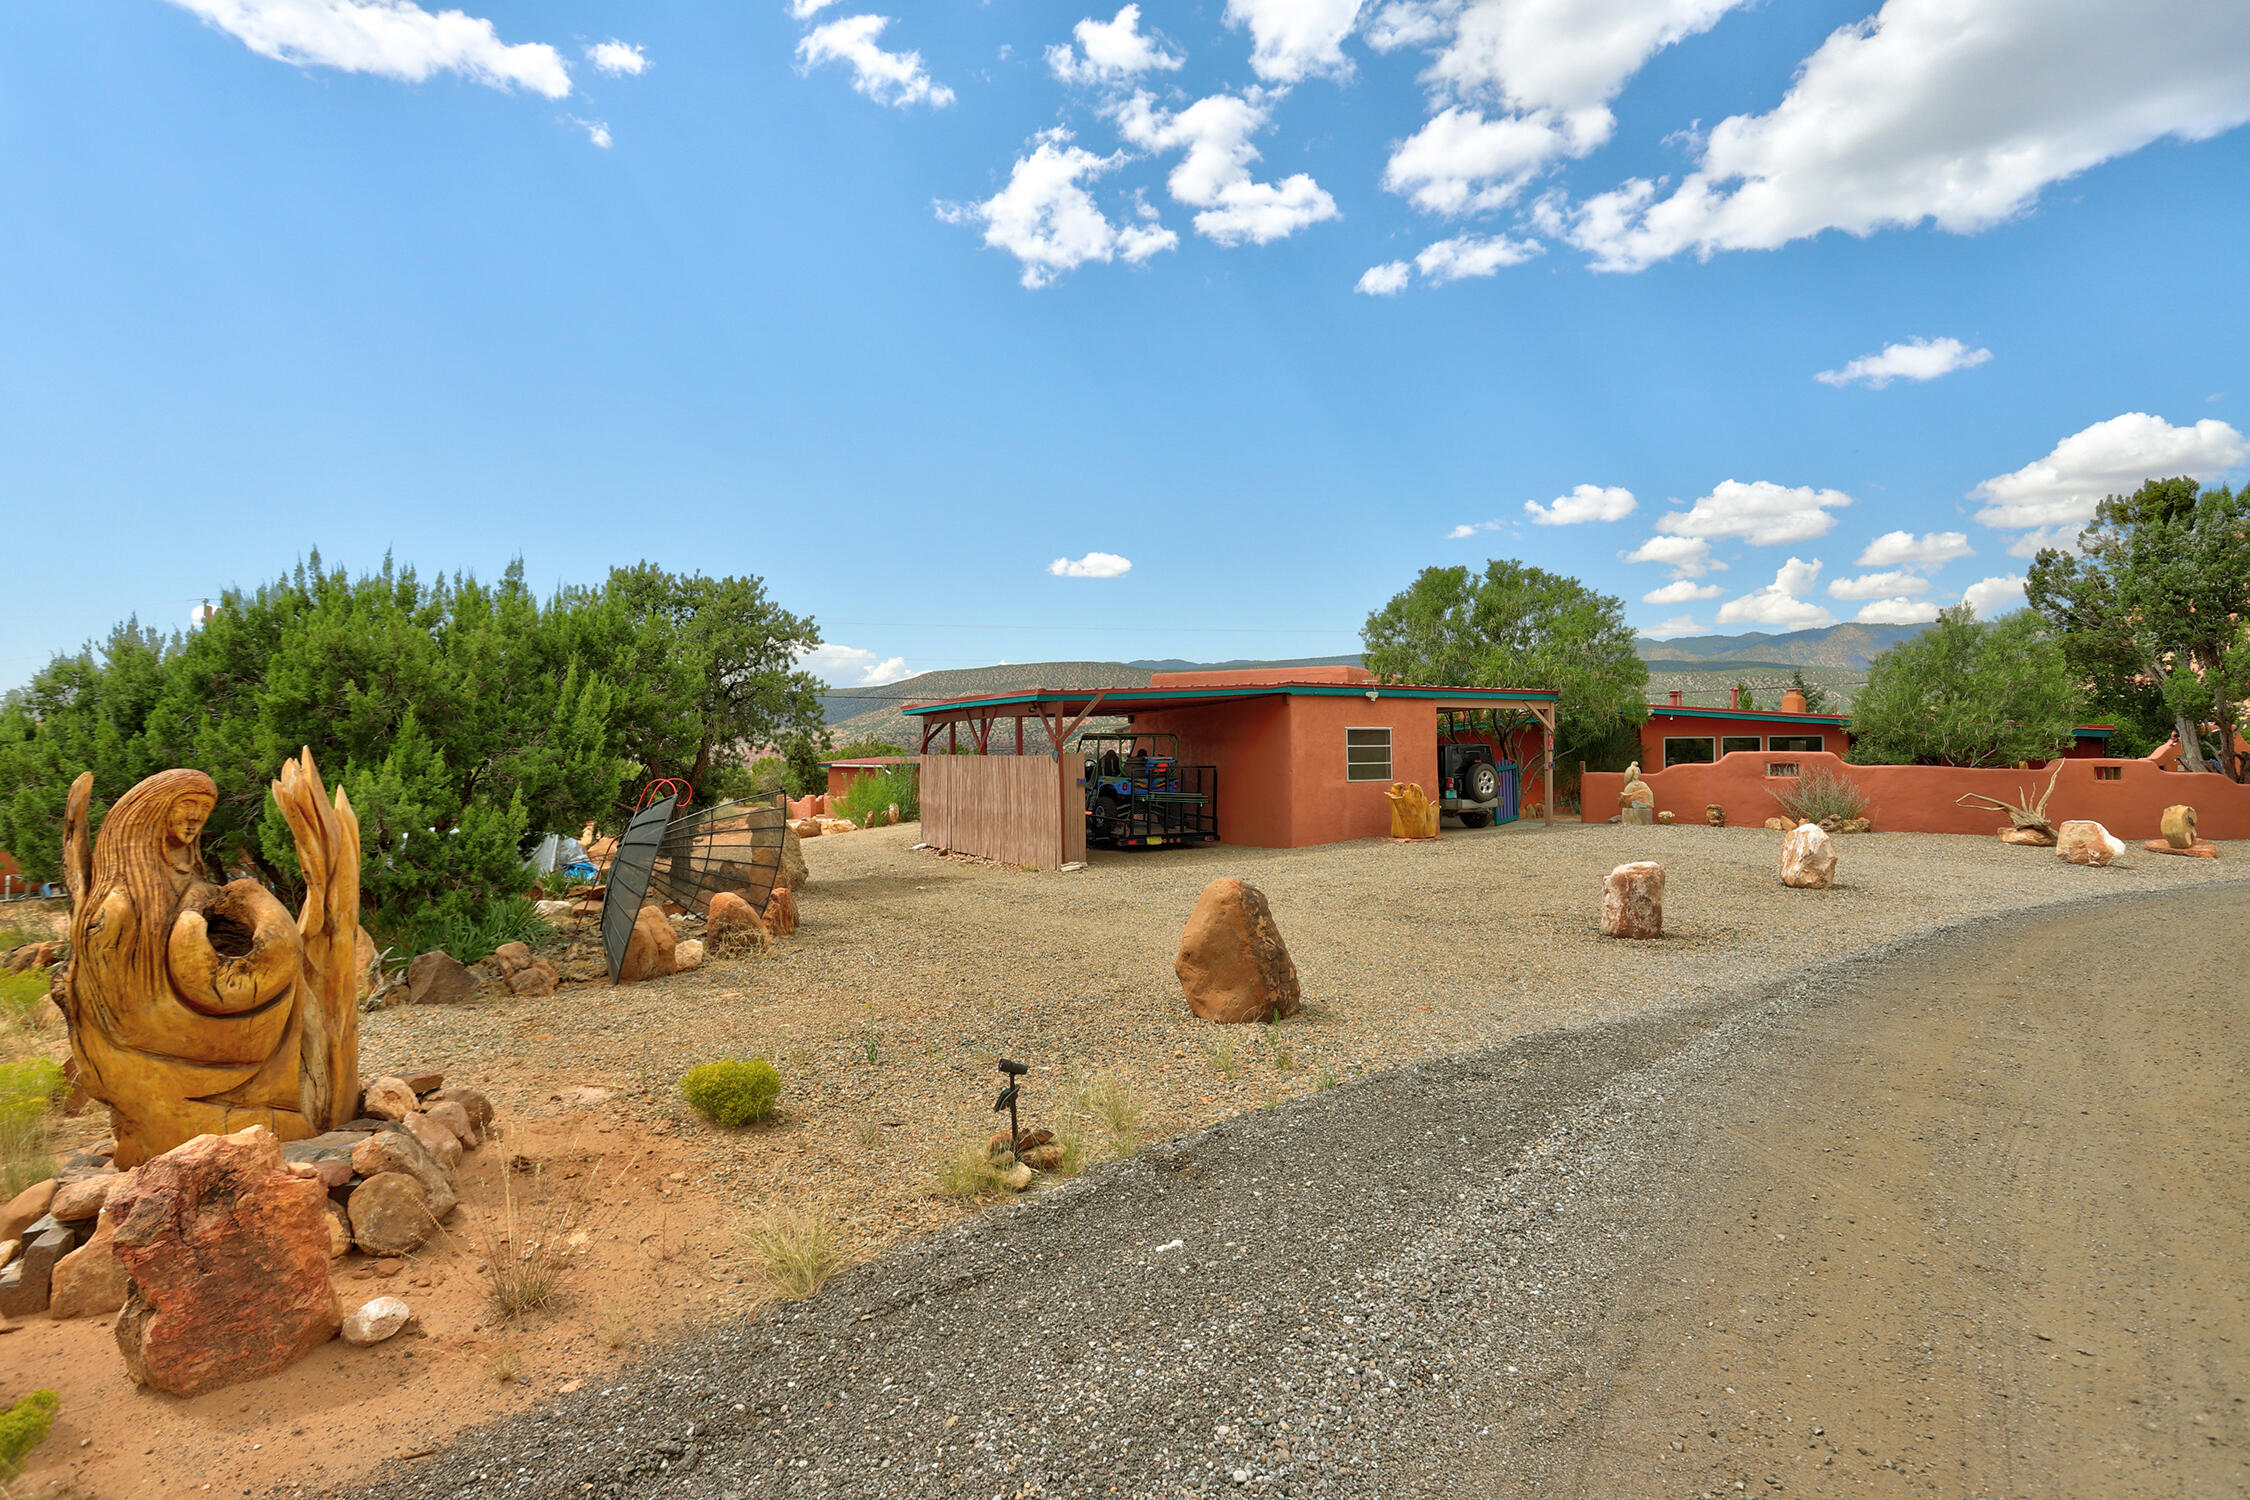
909,975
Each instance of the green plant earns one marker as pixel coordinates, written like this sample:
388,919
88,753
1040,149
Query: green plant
970,1173
28,1089
1821,794
1222,1056
467,928
1327,1080
524,1268
798,1252
1106,1104
1968,692
23,1427
732,1093
1284,1058
19,993
873,795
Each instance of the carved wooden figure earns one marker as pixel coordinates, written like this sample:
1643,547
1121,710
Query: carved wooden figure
199,1009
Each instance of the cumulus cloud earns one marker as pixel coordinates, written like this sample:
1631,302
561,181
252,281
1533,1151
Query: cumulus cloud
1292,40
1460,162
1761,513
1469,255
597,131
1110,51
1385,280
1677,625
1916,359
1463,532
1213,135
388,38
1681,592
1994,596
849,666
1894,549
1782,601
1899,611
1877,586
618,59
1092,565
2108,458
2040,538
1046,219
893,78
1587,502
1932,111
1686,556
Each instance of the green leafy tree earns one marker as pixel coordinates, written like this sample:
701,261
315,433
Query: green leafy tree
1518,626
1745,696
1816,696
2154,613
1967,692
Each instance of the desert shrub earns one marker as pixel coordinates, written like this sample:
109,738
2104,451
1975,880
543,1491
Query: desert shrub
1821,794
28,1089
798,1252
19,993
1111,1110
732,1093
467,928
971,1173
873,795
24,1427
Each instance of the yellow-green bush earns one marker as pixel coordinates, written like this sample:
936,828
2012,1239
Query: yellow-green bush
24,1427
732,1093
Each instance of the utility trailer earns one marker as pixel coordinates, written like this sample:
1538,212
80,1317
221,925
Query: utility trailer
1141,795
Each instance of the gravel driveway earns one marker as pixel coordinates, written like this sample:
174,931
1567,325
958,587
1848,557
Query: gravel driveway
1437,1279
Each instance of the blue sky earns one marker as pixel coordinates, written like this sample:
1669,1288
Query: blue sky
1277,301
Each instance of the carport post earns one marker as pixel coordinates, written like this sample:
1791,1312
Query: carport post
1547,724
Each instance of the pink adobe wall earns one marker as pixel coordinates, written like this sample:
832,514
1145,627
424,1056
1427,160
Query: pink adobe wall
1660,726
1920,799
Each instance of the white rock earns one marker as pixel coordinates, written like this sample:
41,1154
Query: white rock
1808,858
2082,841
553,911
377,1321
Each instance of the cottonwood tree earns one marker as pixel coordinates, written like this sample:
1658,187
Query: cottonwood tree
1967,692
2154,611
1518,626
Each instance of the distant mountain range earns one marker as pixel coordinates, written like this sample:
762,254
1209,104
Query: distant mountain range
1705,664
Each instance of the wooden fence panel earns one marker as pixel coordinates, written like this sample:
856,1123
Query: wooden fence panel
1002,807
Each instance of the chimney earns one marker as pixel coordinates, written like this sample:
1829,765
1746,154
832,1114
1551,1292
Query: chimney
1793,702
1679,697
1734,696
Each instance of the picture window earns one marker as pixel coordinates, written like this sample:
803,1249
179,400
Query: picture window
1367,754
1795,744
1734,743
1690,750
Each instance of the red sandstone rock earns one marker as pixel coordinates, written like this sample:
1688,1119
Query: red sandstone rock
1633,901
2197,850
388,1099
781,911
1808,858
228,1252
2037,838
1232,964
535,978
648,952
89,1282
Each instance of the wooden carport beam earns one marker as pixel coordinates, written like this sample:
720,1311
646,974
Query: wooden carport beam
1545,712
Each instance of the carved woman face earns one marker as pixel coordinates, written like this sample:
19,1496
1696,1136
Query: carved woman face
183,825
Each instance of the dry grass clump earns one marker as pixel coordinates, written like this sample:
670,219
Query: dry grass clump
524,1265
798,1251
971,1173
1109,1111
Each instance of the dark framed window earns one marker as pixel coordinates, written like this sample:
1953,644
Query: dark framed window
1367,754
1690,750
1796,744
1730,743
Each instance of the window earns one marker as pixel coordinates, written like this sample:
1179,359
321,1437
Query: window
1796,744
1689,751
1367,755
1729,744
2109,773
1781,768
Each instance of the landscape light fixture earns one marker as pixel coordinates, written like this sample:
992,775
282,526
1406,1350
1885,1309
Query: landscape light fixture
1013,1071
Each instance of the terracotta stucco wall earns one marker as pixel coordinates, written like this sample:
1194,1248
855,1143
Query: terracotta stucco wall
1921,799
1328,809
1248,741
1659,727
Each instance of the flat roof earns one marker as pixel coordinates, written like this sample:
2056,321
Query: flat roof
1682,710
1127,700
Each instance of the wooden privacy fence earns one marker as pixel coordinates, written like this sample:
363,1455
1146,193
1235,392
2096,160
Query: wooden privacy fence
1017,809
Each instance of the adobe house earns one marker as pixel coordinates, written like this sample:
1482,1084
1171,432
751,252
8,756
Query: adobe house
1676,735
842,773
1303,755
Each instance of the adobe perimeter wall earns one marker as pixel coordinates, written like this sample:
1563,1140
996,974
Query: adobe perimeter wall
1921,799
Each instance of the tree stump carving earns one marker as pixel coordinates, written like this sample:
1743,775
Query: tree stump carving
200,1009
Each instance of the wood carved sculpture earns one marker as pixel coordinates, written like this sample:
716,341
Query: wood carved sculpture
199,1009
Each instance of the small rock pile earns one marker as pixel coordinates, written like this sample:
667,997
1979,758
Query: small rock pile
1018,1160
389,1173
1825,825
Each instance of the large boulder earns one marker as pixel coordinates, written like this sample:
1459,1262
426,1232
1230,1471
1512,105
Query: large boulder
1232,964
1808,858
1633,901
89,1282
648,952
435,1139
438,978
781,911
227,1248
733,926
2082,841
793,875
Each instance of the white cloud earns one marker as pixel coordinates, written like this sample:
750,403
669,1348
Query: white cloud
1110,51
1916,359
388,38
1296,39
1464,532
1385,280
849,666
1994,596
1677,625
2108,458
1878,586
618,59
1682,592
1092,565
894,78
1046,220
1762,513
1781,602
1469,255
597,131
1686,556
1587,502
1460,162
2039,538
1895,549
1899,611
1934,110
1214,172
805,10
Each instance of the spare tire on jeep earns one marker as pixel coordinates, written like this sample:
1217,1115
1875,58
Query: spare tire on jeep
1480,782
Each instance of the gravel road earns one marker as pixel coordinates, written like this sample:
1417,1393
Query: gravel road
1848,1232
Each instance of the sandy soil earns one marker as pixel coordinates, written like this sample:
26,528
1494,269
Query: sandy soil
909,974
